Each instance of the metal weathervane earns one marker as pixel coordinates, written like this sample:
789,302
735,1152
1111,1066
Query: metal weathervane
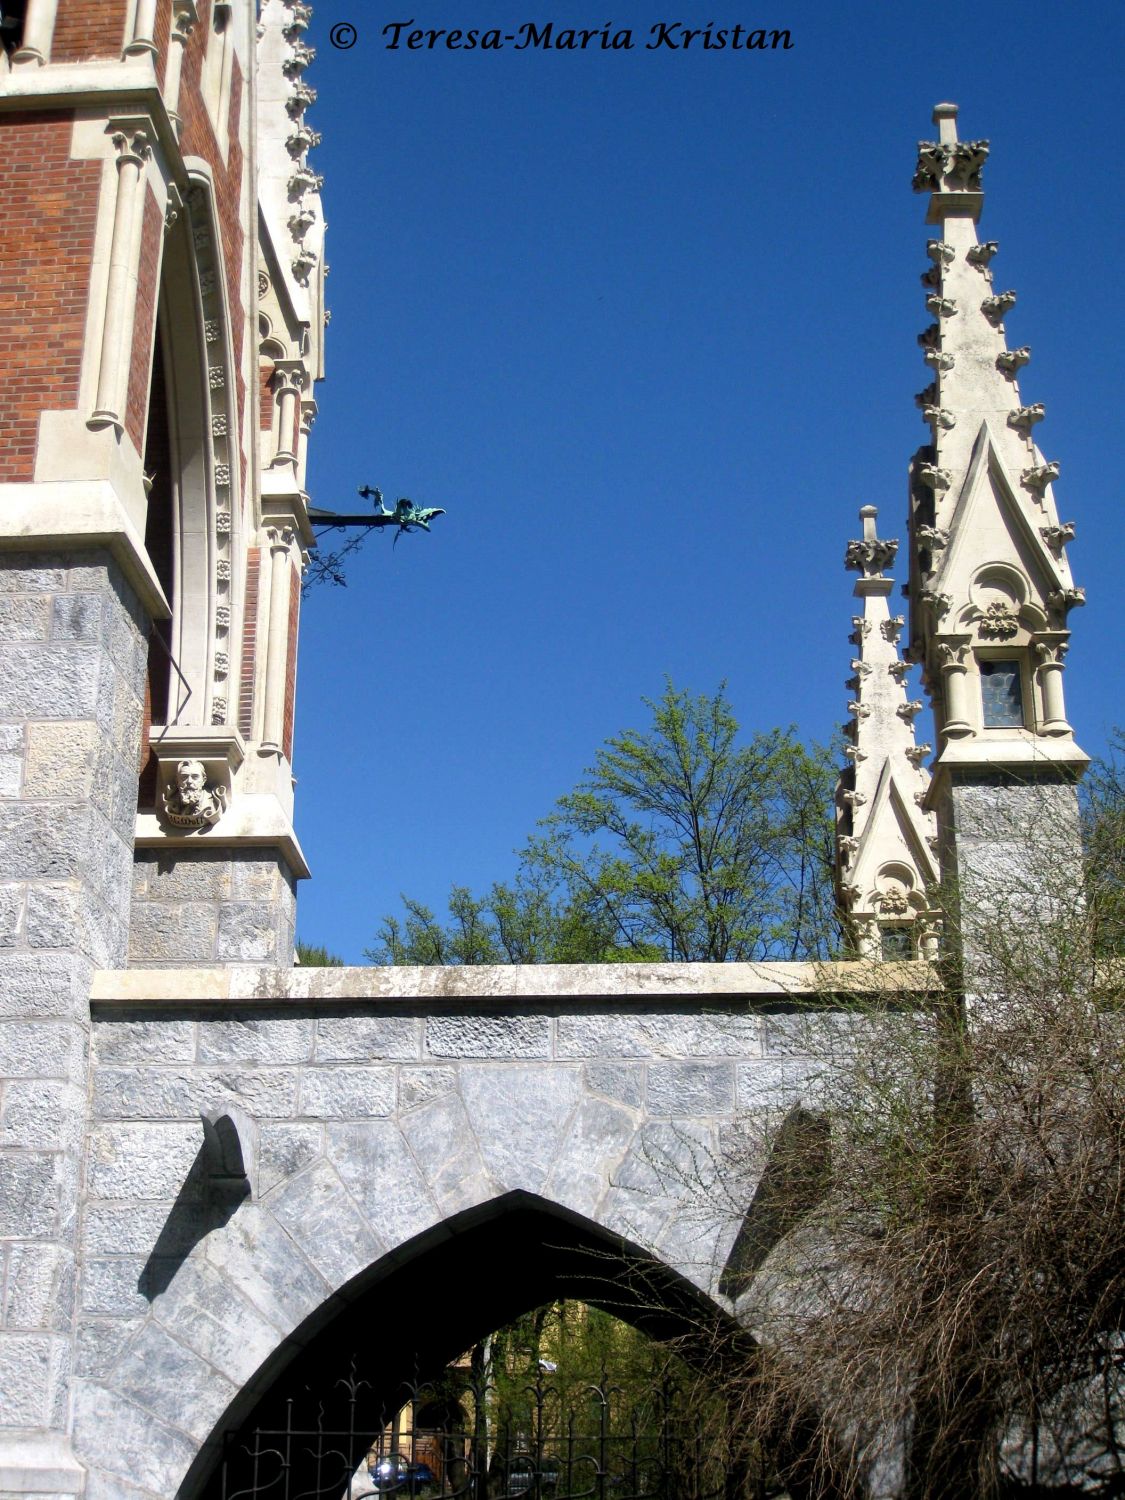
405,515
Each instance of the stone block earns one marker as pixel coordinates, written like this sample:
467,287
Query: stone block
180,875
111,1286
120,1437
659,1034
622,1081
26,1369
29,1194
42,1116
36,843
141,1159
121,1040
40,1049
256,1039
158,1371
539,1099
255,1253
419,1085
38,1288
255,879
172,933
472,1035
690,1089
98,1345
443,1143
11,914
317,1211
78,617
247,933
819,1034
374,1163
31,573
213,1318
284,1149
55,918
347,1093
49,681
132,1229
11,773
775,1085
23,617
596,1142
180,1093
362,1038
60,760
101,1486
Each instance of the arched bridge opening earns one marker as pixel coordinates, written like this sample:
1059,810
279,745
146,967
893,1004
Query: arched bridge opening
323,1402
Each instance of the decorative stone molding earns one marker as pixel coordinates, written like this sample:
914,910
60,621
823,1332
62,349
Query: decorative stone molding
937,360
1038,478
1066,599
890,628
939,252
981,255
303,263
230,1139
1057,537
916,754
859,710
998,621
898,669
953,656
910,711
301,95
994,308
937,603
847,844
933,536
870,555
191,801
1012,360
134,149
1050,649
945,165
1024,418
196,767
927,397
930,338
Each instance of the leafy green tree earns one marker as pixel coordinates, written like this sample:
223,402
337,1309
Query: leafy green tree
312,956
680,843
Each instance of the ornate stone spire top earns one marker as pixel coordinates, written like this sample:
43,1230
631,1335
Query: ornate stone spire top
989,582
885,856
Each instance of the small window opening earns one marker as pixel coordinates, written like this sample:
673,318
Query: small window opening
896,942
13,13
1001,694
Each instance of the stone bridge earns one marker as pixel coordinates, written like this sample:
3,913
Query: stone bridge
448,1141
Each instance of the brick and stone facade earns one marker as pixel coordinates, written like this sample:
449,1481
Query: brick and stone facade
161,320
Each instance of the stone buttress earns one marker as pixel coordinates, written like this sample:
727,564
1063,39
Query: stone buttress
886,841
990,586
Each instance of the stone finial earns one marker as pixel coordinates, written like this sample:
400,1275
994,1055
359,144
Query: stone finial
870,555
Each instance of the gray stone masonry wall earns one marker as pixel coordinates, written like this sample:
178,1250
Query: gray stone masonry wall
211,905
1014,850
72,660
377,1120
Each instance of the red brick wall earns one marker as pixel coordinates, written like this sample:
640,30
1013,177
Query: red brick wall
161,32
291,662
136,407
249,644
89,28
50,206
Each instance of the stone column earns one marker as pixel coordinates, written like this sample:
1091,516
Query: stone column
277,646
953,655
72,663
143,43
1051,649
184,17
133,150
38,32
288,382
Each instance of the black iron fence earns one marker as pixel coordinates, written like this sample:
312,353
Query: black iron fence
533,1449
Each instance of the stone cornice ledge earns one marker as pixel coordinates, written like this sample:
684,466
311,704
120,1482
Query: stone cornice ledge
550,984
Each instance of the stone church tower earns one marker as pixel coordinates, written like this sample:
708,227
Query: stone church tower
161,320
184,1181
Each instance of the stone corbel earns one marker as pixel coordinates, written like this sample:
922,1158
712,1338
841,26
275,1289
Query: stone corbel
1057,537
1012,360
1038,478
937,360
981,255
939,416
1024,418
942,307
231,1145
196,769
994,308
939,252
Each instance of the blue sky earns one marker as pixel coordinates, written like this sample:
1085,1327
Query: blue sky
644,323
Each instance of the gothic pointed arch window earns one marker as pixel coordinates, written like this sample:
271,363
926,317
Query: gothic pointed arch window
192,484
